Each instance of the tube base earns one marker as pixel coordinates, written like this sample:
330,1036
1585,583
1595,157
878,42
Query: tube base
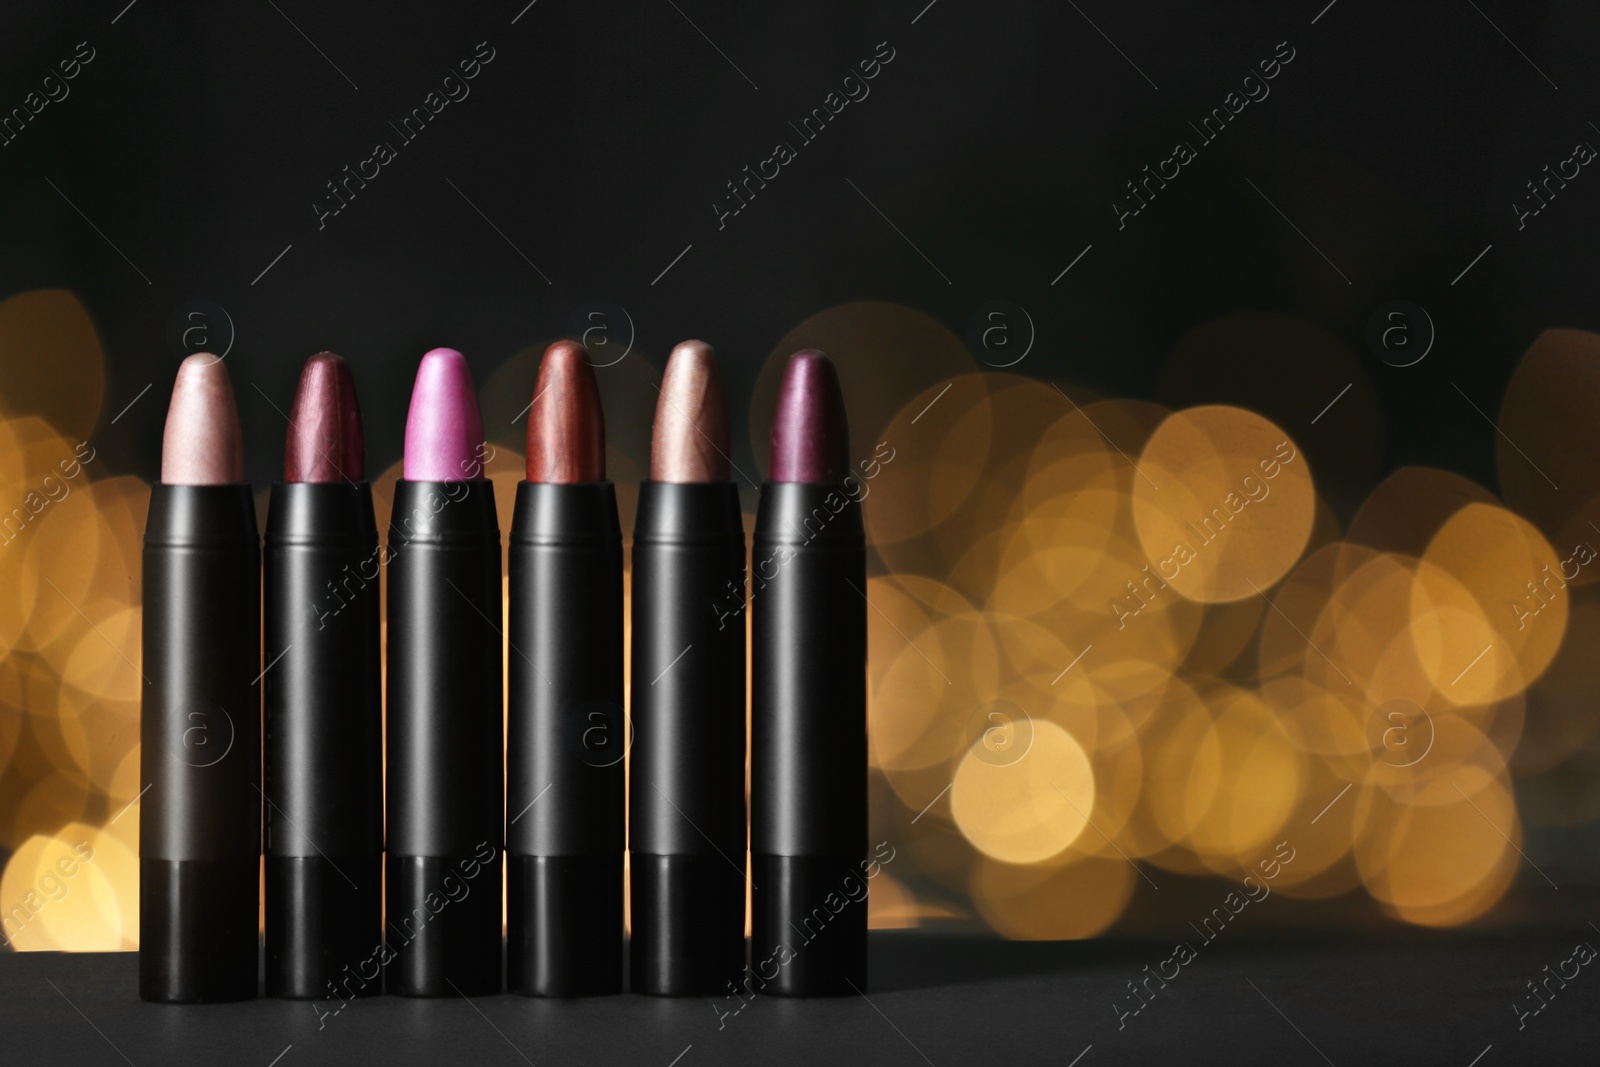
443,926
324,921
197,930
688,925
564,925
807,923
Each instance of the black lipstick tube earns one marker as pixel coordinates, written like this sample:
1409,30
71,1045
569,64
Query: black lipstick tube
324,740
808,739
686,775
567,737
200,734
445,820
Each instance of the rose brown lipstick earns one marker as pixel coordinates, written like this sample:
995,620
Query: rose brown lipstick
324,740
200,730
567,735
686,787
808,736
445,814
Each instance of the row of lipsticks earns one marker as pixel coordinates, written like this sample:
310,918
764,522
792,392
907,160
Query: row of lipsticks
388,840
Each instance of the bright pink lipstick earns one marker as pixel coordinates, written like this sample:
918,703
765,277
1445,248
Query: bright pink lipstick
445,802
444,431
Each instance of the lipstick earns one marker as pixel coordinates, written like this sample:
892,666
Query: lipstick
567,734
200,730
324,699
445,819
686,775
808,735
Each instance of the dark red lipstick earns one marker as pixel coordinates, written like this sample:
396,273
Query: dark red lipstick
567,735
325,442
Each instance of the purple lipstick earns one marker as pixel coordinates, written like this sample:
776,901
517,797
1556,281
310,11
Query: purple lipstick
808,721
810,434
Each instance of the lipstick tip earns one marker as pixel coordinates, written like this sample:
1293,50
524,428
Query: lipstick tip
201,444
444,430
810,434
566,427
325,441
690,440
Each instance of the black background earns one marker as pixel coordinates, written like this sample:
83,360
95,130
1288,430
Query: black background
600,135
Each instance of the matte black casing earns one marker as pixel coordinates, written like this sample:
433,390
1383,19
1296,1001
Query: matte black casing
687,820
324,739
444,737
808,737
566,740
200,735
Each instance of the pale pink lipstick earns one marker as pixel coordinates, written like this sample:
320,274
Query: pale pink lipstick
201,444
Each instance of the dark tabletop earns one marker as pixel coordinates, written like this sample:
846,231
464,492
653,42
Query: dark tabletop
1400,996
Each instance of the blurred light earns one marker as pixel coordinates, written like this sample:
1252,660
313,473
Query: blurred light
53,367
1072,902
1289,370
940,439
1223,503
1028,807
1549,412
57,896
1489,586
1407,508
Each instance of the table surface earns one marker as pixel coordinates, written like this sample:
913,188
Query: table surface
1394,996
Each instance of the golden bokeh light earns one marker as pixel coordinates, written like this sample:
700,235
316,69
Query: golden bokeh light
1489,586
59,897
1561,723
1024,806
1409,506
1252,781
1285,368
918,632
52,365
1439,864
1549,438
1066,903
940,443
1224,503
